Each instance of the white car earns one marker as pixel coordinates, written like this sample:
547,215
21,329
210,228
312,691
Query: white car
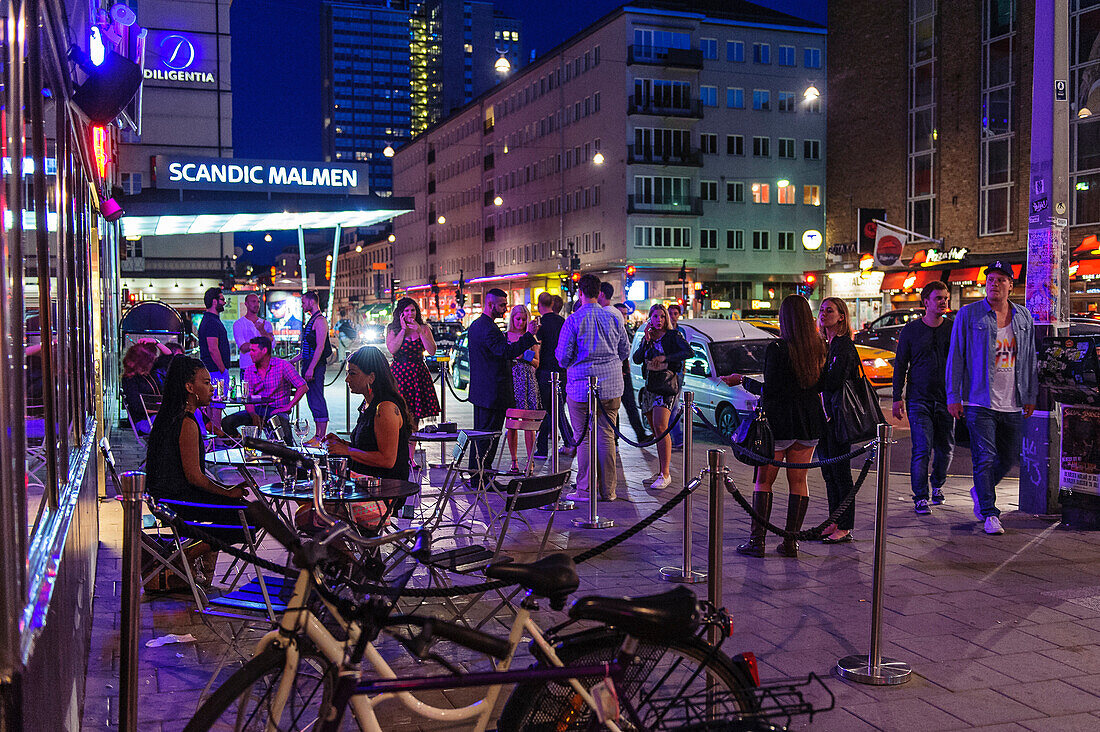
721,347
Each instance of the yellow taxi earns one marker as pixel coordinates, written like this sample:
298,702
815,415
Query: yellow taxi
878,363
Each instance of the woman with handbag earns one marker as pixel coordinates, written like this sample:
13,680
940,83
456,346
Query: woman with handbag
661,354
841,365
792,406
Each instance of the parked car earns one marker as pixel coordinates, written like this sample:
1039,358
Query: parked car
460,365
721,347
883,331
446,333
878,363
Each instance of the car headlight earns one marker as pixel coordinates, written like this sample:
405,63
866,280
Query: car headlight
875,363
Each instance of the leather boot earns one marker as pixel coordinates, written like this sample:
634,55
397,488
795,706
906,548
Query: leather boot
762,504
796,512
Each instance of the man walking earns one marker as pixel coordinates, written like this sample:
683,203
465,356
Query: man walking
249,326
550,323
593,343
991,376
922,361
274,384
315,350
491,354
214,346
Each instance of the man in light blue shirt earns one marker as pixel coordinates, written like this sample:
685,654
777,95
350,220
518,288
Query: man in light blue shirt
593,343
991,380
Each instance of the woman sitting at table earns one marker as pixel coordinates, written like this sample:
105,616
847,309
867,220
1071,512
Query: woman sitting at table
175,461
379,443
138,381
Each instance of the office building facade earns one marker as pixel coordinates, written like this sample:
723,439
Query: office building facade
671,141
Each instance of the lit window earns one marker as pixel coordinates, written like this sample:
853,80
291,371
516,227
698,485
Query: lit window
761,192
785,194
811,195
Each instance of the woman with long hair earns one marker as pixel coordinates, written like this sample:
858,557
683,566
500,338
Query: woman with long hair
841,364
662,349
408,337
138,380
175,459
524,383
379,444
789,397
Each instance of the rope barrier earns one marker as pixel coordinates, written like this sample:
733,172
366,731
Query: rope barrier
780,463
343,364
451,388
672,421
804,534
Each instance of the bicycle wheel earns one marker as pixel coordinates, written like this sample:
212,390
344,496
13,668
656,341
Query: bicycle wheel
663,686
244,702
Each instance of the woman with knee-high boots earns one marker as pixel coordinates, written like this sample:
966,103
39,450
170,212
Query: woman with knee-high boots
791,401
841,364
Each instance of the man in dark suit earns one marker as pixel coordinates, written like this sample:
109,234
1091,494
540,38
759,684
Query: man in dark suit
491,389
550,323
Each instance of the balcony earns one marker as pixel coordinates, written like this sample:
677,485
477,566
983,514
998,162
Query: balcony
684,206
658,108
689,157
680,58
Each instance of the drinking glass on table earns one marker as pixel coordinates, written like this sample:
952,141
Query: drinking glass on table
337,472
301,429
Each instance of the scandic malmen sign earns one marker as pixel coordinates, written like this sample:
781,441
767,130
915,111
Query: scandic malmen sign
260,175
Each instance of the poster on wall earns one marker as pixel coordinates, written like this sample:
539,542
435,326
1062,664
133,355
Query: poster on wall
1080,453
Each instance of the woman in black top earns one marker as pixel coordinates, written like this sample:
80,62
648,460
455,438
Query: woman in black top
175,459
841,364
792,403
380,441
662,349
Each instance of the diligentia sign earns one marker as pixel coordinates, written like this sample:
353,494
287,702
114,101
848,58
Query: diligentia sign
229,174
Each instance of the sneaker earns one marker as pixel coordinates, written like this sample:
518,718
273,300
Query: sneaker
662,482
993,526
938,499
977,504
581,496
677,446
921,507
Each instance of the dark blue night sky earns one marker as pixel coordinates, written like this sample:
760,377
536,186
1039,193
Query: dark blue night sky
276,74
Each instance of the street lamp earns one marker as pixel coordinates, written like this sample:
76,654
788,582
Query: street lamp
387,151
811,93
598,158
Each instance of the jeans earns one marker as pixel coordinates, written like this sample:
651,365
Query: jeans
995,445
606,455
315,397
933,433
543,438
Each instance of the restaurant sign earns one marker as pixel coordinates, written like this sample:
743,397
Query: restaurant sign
242,174
932,257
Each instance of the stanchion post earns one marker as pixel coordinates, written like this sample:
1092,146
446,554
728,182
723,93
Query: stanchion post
714,538
563,504
347,406
593,521
443,368
133,486
685,573
873,668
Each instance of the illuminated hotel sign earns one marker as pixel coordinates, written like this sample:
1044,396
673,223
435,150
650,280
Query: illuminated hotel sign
239,174
181,59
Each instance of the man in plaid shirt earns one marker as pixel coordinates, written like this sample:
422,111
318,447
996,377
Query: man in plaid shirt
273,383
593,342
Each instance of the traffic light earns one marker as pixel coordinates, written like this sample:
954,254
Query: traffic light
567,286
460,293
575,262
630,270
809,282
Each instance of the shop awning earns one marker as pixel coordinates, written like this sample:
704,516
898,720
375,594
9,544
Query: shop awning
976,275
899,281
1087,268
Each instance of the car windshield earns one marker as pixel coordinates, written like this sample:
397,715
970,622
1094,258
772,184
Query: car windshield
739,357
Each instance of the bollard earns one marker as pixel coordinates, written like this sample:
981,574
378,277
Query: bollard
552,443
873,668
133,486
685,573
714,539
593,521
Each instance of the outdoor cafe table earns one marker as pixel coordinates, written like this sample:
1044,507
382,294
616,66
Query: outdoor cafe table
444,437
388,491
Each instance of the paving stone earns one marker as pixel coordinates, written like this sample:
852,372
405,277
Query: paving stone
907,714
1053,697
983,706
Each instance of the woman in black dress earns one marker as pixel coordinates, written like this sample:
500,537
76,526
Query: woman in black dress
841,364
379,443
176,458
791,401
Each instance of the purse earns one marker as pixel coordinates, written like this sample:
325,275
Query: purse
662,383
754,435
855,410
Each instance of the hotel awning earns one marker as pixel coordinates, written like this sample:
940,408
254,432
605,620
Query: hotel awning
160,212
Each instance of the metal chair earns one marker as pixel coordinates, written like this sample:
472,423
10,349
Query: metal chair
525,420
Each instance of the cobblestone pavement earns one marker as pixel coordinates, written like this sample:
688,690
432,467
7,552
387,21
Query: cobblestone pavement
1002,632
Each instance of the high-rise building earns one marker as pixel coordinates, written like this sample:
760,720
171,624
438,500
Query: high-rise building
367,70
674,141
934,128
457,52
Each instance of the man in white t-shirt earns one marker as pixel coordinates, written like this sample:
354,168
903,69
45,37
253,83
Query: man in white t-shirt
605,301
249,326
992,382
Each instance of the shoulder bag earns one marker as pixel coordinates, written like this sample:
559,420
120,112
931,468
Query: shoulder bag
855,413
664,383
755,436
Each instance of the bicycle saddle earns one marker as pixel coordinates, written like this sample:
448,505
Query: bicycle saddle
553,577
675,612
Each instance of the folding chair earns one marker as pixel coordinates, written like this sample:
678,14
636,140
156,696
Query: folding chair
520,495
36,450
525,420
459,482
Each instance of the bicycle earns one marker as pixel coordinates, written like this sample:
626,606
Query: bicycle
635,671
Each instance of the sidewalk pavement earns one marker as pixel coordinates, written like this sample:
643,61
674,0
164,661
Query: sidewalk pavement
1002,632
